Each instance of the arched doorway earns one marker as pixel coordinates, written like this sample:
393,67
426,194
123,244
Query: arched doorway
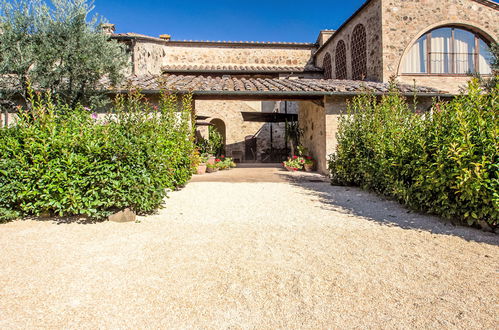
219,126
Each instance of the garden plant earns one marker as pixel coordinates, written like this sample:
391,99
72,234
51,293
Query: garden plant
65,161
444,161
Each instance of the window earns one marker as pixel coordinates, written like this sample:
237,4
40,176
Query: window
359,53
448,50
328,70
341,60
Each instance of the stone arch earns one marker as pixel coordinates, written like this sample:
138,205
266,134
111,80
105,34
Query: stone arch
482,31
219,125
341,60
358,44
327,65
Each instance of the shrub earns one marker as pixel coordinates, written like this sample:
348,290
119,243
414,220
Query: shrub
444,162
65,161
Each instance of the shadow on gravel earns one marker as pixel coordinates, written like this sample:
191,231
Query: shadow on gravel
372,207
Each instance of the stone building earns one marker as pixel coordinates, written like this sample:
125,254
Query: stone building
429,46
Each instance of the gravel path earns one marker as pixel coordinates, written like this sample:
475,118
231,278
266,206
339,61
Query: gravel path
252,255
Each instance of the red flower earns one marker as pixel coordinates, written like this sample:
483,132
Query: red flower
294,157
222,156
295,169
308,157
217,160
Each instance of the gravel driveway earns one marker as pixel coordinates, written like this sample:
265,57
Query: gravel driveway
296,254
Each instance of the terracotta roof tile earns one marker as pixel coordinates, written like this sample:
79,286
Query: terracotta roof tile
207,68
270,86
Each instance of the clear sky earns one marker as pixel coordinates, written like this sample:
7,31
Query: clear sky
234,20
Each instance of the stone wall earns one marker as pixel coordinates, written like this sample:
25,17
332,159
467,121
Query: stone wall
237,129
312,121
7,119
370,17
150,56
405,21
334,106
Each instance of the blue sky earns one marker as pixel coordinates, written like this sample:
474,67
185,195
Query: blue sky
272,20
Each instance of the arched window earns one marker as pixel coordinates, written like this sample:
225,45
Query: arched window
341,60
328,70
448,50
359,53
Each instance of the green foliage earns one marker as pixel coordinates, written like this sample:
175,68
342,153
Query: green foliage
444,162
66,161
214,145
58,48
295,162
225,163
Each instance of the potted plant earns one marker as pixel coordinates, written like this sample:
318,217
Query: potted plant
226,163
294,163
201,168
309,164
210,168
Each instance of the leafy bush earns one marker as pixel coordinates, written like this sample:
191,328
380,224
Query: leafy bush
66,161
444,162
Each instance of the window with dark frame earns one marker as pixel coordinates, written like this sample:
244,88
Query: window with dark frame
328,69
449,51
359,52
341,60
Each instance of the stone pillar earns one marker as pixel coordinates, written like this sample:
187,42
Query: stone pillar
311,118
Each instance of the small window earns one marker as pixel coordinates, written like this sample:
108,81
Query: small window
448,50
341,60
359,53
328,70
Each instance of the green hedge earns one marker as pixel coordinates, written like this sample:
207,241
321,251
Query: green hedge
66,162
445,161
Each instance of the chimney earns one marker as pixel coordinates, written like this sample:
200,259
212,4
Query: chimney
108,28
165,37
324,35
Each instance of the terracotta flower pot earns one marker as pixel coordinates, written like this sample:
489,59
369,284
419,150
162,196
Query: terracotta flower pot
211,169
291,169
201,168
211,160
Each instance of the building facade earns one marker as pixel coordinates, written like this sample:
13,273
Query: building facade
433,46
429,47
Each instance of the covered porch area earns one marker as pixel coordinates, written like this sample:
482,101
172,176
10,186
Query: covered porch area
231,104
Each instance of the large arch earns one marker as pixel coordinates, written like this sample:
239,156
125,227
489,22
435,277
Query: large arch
482,31
327,65
219,126
341,60
358,45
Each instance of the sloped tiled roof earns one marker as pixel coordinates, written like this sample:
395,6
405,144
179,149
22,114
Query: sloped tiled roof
226,85
238,68
133,35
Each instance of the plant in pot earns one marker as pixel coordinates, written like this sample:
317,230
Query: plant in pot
294,163
309,164
210,168
226,163
201,168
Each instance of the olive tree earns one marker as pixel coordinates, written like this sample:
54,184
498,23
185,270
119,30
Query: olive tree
57,47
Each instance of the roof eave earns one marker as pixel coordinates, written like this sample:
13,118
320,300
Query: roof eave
285,93
185,71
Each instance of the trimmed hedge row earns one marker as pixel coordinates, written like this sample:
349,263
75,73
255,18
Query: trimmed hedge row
67,161
444,162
